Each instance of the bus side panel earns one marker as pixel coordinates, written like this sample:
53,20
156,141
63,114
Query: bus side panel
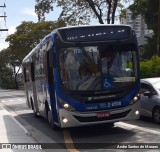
27,94
51,85
40,95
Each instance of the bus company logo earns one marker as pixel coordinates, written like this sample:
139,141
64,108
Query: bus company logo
6,146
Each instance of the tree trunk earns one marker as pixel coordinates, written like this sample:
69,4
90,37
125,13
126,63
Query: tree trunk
114,10
99,16
109,11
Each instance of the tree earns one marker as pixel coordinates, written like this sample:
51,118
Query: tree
6,78
150,68
148,50
138,7
6,75
76,12
43,7
150,10
26,37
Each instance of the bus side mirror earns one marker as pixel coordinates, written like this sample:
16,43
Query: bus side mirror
52,59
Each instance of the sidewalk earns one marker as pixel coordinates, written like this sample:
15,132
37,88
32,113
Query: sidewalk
12,132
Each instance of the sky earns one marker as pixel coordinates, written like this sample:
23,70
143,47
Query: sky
16,12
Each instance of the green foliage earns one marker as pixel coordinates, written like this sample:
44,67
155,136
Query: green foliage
81,12
146,68
151,14
138,7
6,78
155,66
6,74
149,49
3,58
150,68
26,37
148,9
42,7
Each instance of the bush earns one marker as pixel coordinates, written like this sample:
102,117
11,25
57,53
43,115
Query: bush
6,78
150,68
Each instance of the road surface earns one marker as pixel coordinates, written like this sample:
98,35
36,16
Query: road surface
137,135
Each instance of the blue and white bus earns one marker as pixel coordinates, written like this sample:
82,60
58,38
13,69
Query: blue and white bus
84,75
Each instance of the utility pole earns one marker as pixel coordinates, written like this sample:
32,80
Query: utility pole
4,16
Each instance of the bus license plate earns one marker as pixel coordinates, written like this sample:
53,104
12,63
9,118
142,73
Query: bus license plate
103,114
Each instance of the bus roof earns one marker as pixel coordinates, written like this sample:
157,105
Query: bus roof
63,29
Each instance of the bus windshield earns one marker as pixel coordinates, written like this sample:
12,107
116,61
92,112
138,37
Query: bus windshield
98,68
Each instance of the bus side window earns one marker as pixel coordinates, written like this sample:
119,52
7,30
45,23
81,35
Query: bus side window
49,67
52,60
32,72
24,72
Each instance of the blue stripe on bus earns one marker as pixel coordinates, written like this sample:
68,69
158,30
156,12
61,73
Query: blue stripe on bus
52,100
52,96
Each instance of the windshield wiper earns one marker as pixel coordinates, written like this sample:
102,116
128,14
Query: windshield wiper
86,54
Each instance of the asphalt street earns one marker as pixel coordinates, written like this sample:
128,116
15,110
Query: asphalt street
124,136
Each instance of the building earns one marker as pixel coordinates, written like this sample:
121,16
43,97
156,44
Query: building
138,24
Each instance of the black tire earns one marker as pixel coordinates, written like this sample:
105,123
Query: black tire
156,115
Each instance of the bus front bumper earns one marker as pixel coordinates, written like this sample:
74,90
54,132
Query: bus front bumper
73,119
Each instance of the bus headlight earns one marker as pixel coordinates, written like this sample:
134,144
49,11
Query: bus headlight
66,106
135,99
137,112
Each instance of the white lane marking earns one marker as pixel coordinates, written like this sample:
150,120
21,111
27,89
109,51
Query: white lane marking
126,125
10,100
3,101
